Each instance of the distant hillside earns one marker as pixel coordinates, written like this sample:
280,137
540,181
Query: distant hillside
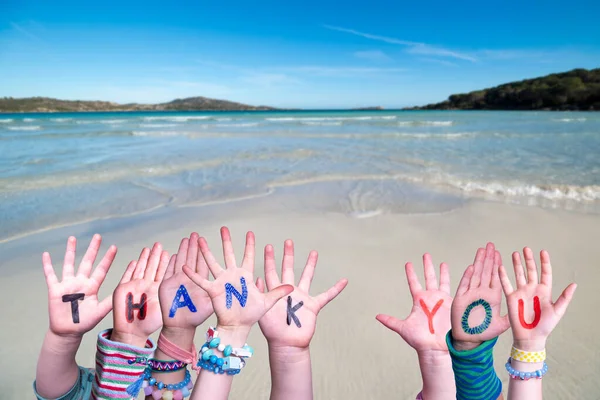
46,104
578,89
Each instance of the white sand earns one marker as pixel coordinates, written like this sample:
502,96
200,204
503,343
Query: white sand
370,252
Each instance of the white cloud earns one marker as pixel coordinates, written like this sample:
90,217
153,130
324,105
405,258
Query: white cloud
441,62
413,47
373,55
24,31
270,79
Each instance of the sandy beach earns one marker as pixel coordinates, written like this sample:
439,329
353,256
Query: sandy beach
370,252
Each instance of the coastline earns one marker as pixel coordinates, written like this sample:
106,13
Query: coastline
370,252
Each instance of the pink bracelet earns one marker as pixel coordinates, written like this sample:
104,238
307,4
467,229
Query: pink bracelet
176,352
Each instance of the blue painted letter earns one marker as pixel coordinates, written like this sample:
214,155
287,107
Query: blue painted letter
178,303
230,290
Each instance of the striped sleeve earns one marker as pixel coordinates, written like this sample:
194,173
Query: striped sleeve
474,371
114,372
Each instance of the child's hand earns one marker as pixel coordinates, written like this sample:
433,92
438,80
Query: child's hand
532,314
293,319
426,327
136,307
73,304
189,307
476,307
235,298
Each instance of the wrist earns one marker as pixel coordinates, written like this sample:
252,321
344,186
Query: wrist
181,337
434,358
58,343
462,345
530,344
128,338
282,355
233,335
526,366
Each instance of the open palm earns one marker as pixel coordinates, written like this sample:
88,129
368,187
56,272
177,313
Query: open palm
139,285
252,304
280,327
171,295
73,304
532,313
429,320
479,291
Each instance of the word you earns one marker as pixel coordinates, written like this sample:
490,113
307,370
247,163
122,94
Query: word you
536,309
486,322
431,313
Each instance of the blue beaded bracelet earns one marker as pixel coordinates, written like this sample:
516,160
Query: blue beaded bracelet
168,386
231,364
525,376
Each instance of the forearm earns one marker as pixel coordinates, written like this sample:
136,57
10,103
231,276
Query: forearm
291,373
57,371
530,389
437,375
217,386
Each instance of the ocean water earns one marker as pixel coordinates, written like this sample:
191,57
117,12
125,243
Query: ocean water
59,169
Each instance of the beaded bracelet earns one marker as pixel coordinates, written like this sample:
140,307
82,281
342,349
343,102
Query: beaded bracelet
175,391
525,376
231,364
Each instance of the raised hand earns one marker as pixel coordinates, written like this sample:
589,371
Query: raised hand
476,307
235,298
183,303
532,313
73,304
429,320
136,306
293,319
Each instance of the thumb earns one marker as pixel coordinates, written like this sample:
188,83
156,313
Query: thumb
560,307
105,306
197,279
274,295
260,284
391,323
504,324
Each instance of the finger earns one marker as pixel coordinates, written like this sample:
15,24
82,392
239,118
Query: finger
153,262
69,263
102,269
391,323
182,254
260,284
141,264
49,273
495,281
170,267
205,284
519,272
561,304
532,274
287,265
546,269
429,270
85,267
248,261
271,278
488,265
276,294
228,253
128,274
201,266
324,298
477,269
463,286
413,281
505,281
192,251
105,306
213,265
162,267
309,271
504,324
445,278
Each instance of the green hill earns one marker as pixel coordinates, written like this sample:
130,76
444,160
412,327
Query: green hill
46,104
578,89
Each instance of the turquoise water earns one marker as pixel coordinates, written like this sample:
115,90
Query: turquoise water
58,169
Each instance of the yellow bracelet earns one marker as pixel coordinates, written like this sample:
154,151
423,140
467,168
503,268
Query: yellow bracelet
528,356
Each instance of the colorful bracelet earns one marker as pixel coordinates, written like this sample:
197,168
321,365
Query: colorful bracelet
175,391
166,366
525,376
234,359
528,356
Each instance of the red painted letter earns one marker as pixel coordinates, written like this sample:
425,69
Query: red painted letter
430,314
141,307
536,309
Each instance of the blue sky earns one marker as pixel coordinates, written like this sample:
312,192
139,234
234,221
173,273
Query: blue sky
310,54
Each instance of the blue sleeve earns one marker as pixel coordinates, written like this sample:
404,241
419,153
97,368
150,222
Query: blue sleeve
80,391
